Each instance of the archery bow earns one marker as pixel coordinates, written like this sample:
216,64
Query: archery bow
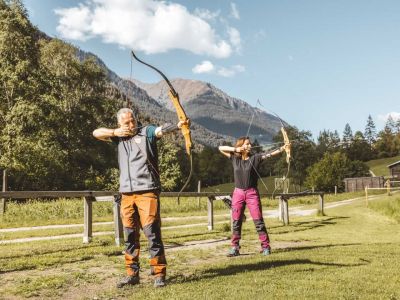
173,95
287,150
287,144
285,140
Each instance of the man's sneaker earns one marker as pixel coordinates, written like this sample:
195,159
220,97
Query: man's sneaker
128,280
159,282
234,251
266,251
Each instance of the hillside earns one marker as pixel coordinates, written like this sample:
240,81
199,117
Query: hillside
215,110
379,166
152,110
216,117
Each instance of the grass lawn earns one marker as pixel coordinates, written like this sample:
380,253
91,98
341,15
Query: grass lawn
351,253
379,166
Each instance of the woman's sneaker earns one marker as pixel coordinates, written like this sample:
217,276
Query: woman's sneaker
234,251
266,251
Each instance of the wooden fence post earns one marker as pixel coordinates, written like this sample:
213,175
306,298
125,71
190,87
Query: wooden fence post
4,189
335,190
366,196
285,206
210,213
87,222
198,190
388,187
321,205
118,229
280,209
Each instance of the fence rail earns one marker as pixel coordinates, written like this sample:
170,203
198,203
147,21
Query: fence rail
90,196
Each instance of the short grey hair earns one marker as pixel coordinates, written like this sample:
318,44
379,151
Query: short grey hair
124,110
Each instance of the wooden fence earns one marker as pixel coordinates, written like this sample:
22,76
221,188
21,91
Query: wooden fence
360,183
90,196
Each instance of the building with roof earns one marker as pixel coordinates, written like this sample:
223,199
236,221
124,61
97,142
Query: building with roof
394,170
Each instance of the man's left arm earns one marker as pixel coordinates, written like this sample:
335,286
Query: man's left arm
168,128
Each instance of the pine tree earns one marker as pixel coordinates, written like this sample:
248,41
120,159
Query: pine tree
390,125
370,131
347,136
398,126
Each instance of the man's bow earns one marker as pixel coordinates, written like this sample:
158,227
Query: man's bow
181,115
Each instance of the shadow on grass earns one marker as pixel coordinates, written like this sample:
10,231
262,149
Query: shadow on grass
301,248
48,264
61,249
205,242
259,266
212,233
306,225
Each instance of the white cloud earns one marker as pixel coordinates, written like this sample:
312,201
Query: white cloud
206,14
74,23
147,25
208,67
230,72
395,116
234,38
205,67
234,11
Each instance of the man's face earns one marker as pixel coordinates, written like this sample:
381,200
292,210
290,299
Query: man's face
127,121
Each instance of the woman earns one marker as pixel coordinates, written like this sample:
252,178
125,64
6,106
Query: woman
245,168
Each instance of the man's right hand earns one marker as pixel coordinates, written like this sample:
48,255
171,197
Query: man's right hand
123,132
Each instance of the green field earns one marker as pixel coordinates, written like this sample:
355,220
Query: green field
379,166
351,253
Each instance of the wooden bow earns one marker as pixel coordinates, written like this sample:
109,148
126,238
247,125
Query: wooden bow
173,95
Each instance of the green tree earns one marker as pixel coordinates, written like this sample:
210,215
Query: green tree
327,141
359,148
212,167
347,138
303,155
370,131
18,72
386,144
170,171
332,169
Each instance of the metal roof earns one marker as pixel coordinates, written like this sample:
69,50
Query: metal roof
394,164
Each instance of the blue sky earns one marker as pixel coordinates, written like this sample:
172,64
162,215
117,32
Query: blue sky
318,64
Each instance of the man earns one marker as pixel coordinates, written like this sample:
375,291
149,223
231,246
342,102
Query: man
140,188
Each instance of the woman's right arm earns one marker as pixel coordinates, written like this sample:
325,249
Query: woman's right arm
227,150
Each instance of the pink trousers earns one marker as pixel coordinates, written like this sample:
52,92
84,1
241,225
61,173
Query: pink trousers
251,198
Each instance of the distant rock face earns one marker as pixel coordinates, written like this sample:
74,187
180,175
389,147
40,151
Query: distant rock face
215,110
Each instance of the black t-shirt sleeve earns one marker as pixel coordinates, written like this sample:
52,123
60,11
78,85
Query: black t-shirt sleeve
257,159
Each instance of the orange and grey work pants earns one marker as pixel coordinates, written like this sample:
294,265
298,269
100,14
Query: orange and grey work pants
142,210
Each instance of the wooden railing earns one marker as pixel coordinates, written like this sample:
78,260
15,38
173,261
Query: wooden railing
90,196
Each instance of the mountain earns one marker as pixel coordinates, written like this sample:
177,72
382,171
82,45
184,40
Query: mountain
215,110
151,110
216,117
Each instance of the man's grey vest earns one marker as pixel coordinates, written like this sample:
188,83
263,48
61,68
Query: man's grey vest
138,169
